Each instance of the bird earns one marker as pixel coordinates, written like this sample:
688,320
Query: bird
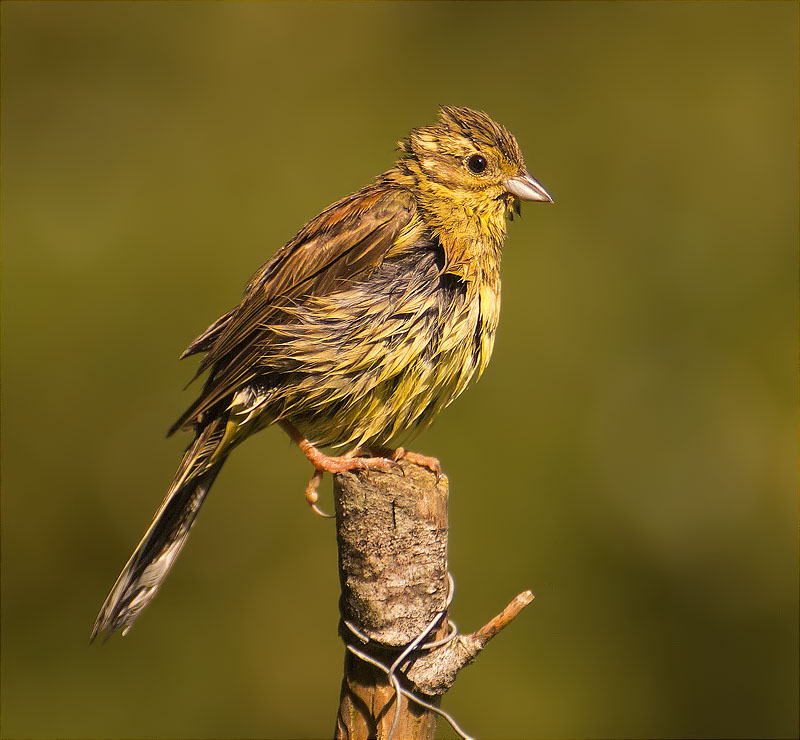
356,334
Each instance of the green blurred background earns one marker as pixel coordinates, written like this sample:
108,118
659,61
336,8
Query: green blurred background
629,455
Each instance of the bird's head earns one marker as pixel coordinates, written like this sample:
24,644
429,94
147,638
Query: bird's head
469,160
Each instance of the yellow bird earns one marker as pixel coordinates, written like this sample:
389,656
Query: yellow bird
358,331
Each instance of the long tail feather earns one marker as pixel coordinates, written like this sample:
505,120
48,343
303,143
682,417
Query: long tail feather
166,535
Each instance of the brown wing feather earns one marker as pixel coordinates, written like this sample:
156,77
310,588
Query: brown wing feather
206,340
341,245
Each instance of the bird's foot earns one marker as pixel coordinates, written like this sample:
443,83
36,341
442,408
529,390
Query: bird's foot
326,464
414,457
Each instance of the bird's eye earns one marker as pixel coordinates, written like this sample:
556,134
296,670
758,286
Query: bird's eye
477,163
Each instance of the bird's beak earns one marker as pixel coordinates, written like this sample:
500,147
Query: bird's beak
525,187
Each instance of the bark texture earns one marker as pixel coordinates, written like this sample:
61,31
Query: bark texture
392,537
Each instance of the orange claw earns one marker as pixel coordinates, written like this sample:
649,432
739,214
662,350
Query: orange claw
414,457
327,464
312,496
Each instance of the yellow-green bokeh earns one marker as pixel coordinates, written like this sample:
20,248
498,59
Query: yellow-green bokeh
629,454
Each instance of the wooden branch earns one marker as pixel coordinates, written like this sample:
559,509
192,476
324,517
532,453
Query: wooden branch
435,672
392,536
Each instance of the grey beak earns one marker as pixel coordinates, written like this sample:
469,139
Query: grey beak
525,187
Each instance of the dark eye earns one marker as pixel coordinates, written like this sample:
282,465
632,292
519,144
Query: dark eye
477,163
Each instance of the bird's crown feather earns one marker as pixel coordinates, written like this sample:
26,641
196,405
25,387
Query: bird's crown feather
459,129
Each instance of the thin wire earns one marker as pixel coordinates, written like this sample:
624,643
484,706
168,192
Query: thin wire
453,631
409,695
414,645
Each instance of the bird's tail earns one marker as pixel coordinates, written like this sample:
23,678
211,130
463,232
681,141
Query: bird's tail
166,535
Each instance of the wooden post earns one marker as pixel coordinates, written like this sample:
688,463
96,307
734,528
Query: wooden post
392,537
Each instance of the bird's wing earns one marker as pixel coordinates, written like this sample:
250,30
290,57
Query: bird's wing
342,245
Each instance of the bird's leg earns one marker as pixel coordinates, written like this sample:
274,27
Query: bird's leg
325,463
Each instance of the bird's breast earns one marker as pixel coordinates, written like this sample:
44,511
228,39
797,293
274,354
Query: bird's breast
384,357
